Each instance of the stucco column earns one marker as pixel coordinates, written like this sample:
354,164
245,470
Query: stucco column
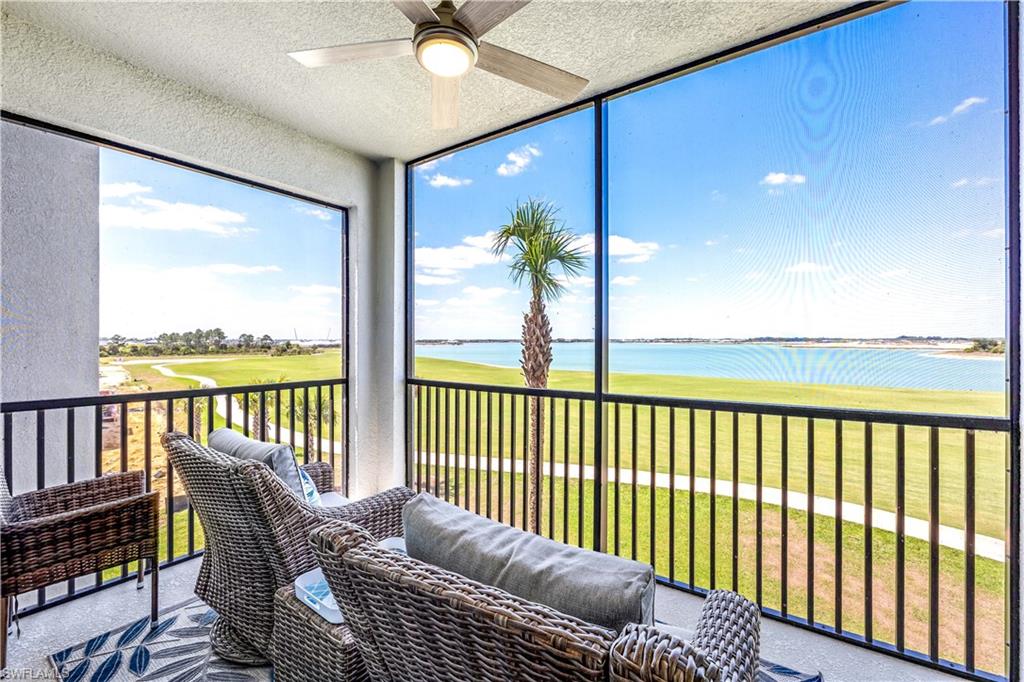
49,293
378,334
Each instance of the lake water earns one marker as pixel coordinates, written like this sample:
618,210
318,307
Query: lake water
766,362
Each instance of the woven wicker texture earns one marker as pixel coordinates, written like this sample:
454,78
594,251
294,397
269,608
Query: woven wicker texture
644,654
257,533
429,624
70,530
729,633
306,647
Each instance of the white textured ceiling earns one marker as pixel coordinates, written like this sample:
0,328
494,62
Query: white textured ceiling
237,51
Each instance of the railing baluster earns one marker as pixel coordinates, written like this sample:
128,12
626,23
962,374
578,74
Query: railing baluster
97,454
330,424
784,517
436,460
713,499
169,470
9,449
262,414
933,544
868,536
319,424
691,520
672,494
810,521
306,435
229,408
469,476
512,462
429,430
526,463
191,421
476,496
654,488
245,413
458,466
565,472
41,477
618,462
447,442
291,416
501,458
735,501
491,451
838,538
417,462
210,406
759,511
277,415
551,468
147,428
901,491
634,438
70,442
969,502
581,433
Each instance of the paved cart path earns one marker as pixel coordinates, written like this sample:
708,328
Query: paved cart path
221,406
984,545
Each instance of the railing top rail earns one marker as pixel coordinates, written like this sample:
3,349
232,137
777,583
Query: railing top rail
952,421
119,398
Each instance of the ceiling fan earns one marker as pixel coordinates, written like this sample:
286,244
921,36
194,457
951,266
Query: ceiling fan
446,42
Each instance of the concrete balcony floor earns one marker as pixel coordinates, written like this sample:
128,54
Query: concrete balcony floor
76,621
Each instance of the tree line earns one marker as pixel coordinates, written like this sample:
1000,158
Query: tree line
201,342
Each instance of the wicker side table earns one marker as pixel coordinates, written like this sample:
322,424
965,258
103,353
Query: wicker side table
306,647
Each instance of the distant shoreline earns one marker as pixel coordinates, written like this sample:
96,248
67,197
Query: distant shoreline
950,347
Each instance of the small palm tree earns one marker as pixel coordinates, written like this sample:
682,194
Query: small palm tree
260,423
311,418
544,255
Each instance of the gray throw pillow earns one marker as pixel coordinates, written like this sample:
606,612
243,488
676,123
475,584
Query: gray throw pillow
279,458
597,588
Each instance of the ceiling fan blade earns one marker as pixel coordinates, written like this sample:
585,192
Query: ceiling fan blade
339,54
444,101
416,11
529,72
480,16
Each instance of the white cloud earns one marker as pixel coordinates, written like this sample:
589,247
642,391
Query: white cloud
718,196
807,266
316,289
433,163
711,242
518,159
473,296
779,178
156,214
995,233
960,108
427,302
441,180
236,269
480,241
983,181
625,281
624,249
469,254
117,190
318,213
430,280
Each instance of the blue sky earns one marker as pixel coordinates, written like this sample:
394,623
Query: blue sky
180,250
848,183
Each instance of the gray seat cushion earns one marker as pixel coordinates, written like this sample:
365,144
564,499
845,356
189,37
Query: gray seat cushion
279,458
598,588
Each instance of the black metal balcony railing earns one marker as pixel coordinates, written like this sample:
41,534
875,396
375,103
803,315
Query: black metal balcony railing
111,433
869,526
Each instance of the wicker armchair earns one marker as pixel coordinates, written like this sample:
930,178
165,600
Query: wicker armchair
66,531
257,533
415,621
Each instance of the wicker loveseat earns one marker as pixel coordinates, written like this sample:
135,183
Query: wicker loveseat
257,533
414,621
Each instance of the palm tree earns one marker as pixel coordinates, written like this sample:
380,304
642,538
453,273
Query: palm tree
544,255
260,423
312,419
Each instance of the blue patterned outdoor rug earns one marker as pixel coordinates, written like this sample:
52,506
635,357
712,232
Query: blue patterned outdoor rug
178,650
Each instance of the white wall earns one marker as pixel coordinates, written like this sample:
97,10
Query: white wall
51,78
49,241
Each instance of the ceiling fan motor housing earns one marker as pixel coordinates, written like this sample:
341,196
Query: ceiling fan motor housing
446,29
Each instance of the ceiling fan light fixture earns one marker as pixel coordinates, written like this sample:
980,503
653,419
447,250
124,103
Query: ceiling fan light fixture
445,53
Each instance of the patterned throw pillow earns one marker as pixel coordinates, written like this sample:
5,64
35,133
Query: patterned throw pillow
311,494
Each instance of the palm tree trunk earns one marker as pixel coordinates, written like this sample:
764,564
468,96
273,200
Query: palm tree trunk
536,362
